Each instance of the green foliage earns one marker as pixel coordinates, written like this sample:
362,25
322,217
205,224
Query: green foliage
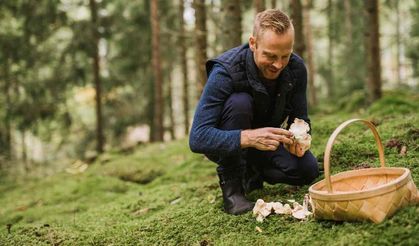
395,103
413,48
24,35
349,62
171,196
352,101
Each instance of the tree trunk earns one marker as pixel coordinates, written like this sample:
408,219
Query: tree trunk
150,105
172,123
184,66
231,24
158,83
96,77
201,43
309,41
259,5
24,151
348,21
297,20
372,48
330,79
273,4
8,125
398,43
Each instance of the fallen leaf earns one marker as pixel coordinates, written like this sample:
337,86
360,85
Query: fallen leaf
394,143
403,151
257,228
211,198
203,243
140,212
362,166
21,208
176,201
77,167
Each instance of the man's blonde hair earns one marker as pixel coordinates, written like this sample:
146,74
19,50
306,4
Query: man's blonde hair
271,19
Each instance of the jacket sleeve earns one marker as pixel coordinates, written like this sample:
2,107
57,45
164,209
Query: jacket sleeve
205,137
299,98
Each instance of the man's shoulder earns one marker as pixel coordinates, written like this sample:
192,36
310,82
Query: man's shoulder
297,65
296,61
228,59
231,55
218,68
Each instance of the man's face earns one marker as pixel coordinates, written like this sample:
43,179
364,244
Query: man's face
272,52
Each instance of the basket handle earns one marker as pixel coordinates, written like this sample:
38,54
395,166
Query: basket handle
332,140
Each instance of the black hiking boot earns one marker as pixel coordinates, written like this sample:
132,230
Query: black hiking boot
233,194
252,179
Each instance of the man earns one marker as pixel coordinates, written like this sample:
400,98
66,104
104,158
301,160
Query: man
251,91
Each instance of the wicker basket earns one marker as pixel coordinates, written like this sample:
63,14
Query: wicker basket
364,194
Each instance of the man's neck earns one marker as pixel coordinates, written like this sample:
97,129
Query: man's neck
265,80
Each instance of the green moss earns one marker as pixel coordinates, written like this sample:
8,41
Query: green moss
164,194
395,103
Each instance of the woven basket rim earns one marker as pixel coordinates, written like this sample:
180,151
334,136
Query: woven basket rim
356,195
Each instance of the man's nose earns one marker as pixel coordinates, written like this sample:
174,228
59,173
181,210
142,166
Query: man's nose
277,64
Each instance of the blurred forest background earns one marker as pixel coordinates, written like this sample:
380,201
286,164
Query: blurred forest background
79,77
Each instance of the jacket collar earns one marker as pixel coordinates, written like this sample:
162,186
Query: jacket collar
252,73
285,79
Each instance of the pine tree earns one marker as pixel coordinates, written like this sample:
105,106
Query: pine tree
372,47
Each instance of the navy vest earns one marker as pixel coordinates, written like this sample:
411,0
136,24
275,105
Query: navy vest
240,65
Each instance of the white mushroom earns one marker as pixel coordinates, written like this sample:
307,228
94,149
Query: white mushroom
301,212
279,208
269,206
261,210
287,209
259,206
300,130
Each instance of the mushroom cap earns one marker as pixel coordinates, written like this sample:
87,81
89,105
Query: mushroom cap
299,128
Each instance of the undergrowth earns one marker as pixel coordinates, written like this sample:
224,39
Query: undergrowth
164,194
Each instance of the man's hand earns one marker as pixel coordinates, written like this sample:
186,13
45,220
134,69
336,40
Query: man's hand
267,138
295,149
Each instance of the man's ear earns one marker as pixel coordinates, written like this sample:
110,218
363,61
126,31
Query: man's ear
252,43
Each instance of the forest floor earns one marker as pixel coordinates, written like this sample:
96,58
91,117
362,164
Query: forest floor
164,194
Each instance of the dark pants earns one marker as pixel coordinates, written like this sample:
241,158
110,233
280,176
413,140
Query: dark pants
277,166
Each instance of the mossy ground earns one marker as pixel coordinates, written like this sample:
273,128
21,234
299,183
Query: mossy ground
164,194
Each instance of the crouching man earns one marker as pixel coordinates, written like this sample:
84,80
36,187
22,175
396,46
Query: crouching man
251,91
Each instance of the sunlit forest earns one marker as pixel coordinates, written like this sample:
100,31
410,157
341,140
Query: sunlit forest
82,77
91,82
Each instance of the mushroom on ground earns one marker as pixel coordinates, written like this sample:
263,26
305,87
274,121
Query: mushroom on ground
282,209
261,210
301,212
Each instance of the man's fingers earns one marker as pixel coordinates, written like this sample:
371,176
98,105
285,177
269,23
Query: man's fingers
269,147
287,140
300,150
280,131
292,149
271,142
297,150
281,138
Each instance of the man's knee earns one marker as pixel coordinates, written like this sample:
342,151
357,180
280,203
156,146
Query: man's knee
237,112
292,170
309,168
240,103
